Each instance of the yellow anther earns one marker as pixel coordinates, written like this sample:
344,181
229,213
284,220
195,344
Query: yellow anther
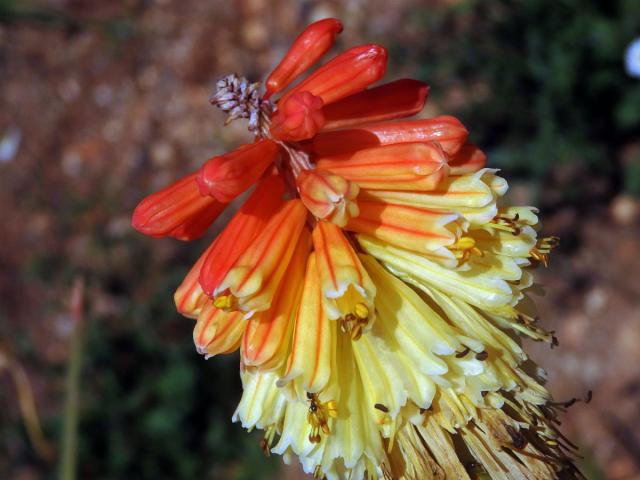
464,243
465,247
361,311
224,302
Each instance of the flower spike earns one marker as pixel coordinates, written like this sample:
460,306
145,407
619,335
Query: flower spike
178,211
401,98
348,73
309,47
408,228
299,117
226,176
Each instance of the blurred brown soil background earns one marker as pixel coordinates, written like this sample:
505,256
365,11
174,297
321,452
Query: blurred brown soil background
105,102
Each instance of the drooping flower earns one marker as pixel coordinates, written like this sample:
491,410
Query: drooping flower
374,281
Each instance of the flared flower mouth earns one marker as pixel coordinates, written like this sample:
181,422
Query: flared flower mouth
373,281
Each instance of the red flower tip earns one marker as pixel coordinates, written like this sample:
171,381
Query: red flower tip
177,211
298,118
308,48
226,176
348,73
401,98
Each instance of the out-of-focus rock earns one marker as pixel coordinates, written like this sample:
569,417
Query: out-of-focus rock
625,209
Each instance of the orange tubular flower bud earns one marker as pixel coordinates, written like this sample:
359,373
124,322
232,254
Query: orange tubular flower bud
401,98
309,47
469,159
348,73
446,130
414,228
328,196
240,232
226,176
410,166
217,332
251,283
189,297
266,338
177,211
298,118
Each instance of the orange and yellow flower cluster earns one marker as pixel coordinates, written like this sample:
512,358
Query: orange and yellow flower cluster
373,281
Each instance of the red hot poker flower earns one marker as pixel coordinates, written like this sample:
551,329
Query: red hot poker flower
376,305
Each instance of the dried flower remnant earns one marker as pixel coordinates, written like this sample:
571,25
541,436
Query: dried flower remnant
374,281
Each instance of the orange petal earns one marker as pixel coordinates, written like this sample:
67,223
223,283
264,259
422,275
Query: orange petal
401,98
409,227
313,341
178,211
299,117
189,297
239,233
469,159
446,130
328,196
266,338
308,48
410,166
217,332
346,287
226,176
348,73
251,283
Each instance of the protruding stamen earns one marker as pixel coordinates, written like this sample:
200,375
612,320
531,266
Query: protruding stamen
543,248
319,415
507,224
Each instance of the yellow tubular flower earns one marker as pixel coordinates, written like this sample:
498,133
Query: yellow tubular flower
357,217
313,342
347,290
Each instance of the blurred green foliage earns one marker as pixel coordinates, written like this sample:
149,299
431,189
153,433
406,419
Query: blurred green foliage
545,80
